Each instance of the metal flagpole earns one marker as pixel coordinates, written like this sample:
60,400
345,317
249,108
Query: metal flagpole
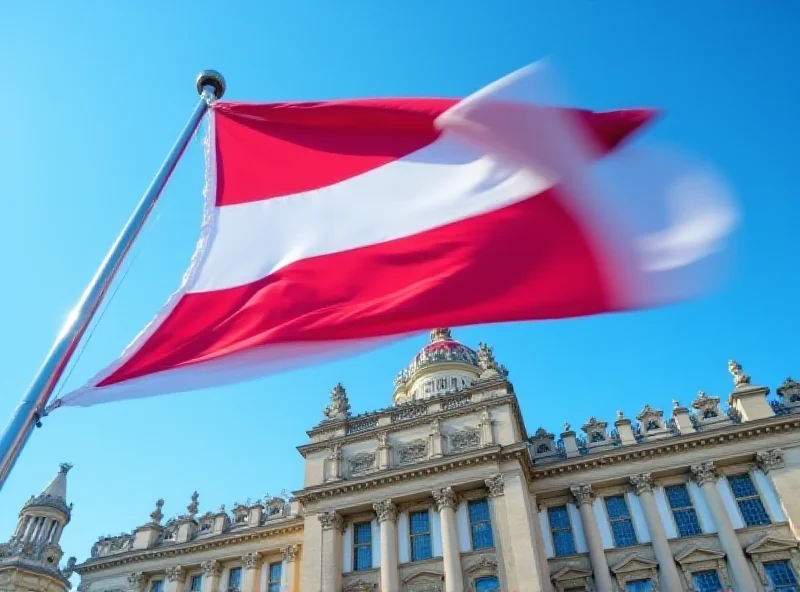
210,86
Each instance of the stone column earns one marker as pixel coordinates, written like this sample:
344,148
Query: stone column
782,469
584,497
290,556
669,578
176,579
446,503
332,525
251,568
705,476
506,565
390,561
211,572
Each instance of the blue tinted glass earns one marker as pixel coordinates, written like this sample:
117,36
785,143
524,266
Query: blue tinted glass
687,523
491,584
197,584
639,586
624,535
157,586
478,511
235,578
616,507
274,582
482,536
781,576
559,517
706,581
362,533
420,522
563,543
753,512
362,558
678,497
421,547
742,486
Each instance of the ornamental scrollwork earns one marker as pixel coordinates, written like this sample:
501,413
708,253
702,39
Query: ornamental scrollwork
495,485
445,498
642,483
583,494
385,510
331,520
704,472
767,460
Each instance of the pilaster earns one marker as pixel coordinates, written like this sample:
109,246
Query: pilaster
212,569
584,498
251,572
390,562
291,559
331,551
176,579
446,503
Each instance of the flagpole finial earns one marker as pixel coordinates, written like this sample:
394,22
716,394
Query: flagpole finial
213,79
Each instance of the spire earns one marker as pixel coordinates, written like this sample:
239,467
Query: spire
58,486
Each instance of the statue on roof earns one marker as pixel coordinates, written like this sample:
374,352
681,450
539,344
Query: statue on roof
339,407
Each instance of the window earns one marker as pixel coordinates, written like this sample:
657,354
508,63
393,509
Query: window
274,581
197,584
420,535
621,523
157,586
488,584
706,581
781,577
480,525
362,546
682,510
639,586
750,505
235,579
561,530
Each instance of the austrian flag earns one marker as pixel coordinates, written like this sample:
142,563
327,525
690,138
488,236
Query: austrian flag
331,226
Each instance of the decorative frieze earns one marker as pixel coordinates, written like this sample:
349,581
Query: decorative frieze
409,412
362,425
456,402
361,463
642,483
251,560
704,472
290,553
385,510
583,494
495,485
767,460
411,452
445,498
331,520
467,438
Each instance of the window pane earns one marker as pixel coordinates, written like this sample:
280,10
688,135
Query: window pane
362,558
781,576
753,512
559,517
362,533
706,581
420,522
616,507
624,535
478,511
421,547
482,536
742,486
563,543
678,497
274,581
157,586
687,523
235,578
491,584
639,586
197,584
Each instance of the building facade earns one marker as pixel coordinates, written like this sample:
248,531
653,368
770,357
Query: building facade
29,561
447,491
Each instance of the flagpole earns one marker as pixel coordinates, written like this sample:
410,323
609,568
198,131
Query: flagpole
210,86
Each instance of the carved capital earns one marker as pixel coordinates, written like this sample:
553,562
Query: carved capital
290,553
331,520
445,498
495,485
583,494
137,581
251,561
386,510
767,460
211,568
176,573
704,472
642,483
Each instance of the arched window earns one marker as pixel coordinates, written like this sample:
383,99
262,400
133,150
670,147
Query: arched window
487,584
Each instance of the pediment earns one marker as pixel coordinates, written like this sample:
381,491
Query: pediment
570,573
634,563
424,575
424,581
484,564
359,586
770,544
695,554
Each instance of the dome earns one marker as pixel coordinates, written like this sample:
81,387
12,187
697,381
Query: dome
445,365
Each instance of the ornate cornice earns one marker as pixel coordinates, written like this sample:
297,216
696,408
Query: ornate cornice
295,525
385,510
372,434
766,460
757,429
392,476
445,498
583,494
642,483
704,472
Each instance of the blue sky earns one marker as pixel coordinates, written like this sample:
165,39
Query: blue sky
96,92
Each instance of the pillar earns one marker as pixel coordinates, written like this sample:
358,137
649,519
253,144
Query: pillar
176,579
211,572
251,572
290,556
446,503
584,498
522,527
507,568
332,525
705,476
390,562
782,468
669,578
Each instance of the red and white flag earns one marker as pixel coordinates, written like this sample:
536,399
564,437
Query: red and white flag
331,226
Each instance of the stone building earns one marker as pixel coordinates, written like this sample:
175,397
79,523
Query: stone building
447,491
29,560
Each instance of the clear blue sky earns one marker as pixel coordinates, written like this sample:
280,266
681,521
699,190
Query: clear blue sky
96,92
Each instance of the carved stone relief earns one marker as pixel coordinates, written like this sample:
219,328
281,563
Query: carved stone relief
361,463
467,438
411,452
